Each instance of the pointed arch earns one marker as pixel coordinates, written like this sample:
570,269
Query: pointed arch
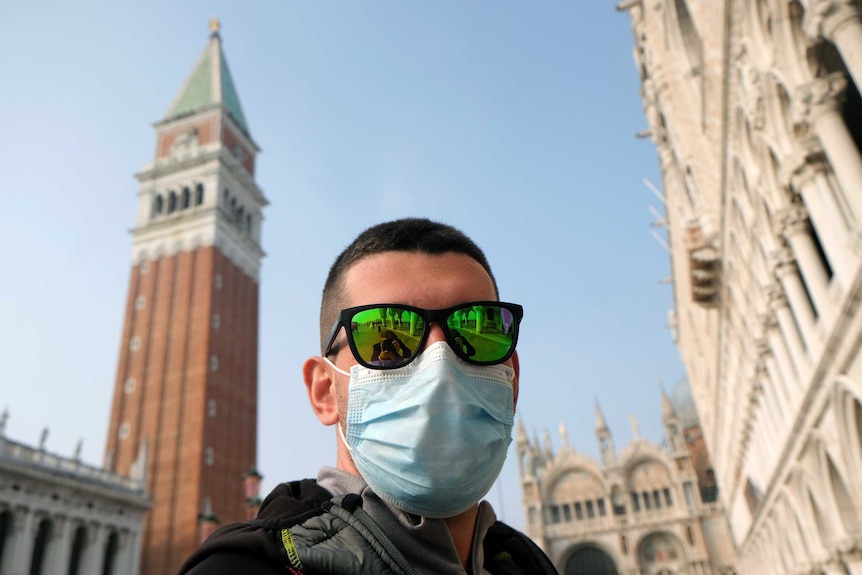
824,527
840,494
776,545
848,416
790,520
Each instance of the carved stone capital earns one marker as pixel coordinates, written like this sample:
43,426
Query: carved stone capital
792,220
826,17
781,257
818,97
777,298
785,269
805,161
768,321
760,370
762,345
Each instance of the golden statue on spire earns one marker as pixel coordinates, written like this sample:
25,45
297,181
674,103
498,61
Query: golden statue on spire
214,25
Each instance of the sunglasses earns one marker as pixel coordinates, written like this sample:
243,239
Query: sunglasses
388,336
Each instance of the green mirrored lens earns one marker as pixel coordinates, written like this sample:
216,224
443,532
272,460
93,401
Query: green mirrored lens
386,336
484,333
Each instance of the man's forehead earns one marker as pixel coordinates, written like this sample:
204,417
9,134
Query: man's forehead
389,277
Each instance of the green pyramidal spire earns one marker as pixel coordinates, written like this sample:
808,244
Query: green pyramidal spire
209,84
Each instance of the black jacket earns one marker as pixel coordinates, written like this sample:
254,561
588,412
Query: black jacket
301,528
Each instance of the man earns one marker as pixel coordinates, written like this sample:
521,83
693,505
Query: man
418,444
390,350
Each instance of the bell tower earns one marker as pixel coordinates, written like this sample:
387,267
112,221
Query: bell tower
184,411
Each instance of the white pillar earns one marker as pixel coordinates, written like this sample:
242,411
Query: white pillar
92,560
134,563
58,560
780,414
787,273
779,362
22,549
840,23
787,327
820,109
827,219
854,565
794,223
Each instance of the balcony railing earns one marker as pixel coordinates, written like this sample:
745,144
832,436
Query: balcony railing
24,455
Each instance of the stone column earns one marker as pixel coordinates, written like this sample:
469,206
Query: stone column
781,413
92,560
778,362
58,560
794,228
126,552
840,23
23,540
818,101
768,431
826,217
787,273
854,565
134,561
787,327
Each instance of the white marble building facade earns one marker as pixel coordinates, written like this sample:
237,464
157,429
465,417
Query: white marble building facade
754,107
59,516
640,511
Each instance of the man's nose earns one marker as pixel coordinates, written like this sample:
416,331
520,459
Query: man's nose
435,334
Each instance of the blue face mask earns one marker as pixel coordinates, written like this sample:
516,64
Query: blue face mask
430,438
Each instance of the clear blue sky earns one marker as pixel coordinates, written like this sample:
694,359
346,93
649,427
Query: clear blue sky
514,121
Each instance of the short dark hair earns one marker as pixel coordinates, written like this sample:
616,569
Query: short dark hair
404,235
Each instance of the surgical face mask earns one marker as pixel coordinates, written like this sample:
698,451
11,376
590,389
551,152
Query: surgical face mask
430,438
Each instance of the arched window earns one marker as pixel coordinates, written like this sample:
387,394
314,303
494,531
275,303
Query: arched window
111,554
40,547
79,543
187,198
590,560
172,202
659,548
225,197
199,194
158,205
248,224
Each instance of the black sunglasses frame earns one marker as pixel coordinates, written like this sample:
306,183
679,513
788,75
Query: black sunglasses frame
439,316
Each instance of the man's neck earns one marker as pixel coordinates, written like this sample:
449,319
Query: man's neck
462,527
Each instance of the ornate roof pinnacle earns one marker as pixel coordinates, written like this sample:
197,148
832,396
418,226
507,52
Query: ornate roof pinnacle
215,25
601,425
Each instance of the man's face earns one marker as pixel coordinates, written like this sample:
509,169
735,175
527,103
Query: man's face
416,279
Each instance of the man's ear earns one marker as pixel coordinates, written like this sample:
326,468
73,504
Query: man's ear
320,385
516,365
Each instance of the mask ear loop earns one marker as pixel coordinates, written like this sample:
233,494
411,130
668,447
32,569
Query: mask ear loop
338,425
336,368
